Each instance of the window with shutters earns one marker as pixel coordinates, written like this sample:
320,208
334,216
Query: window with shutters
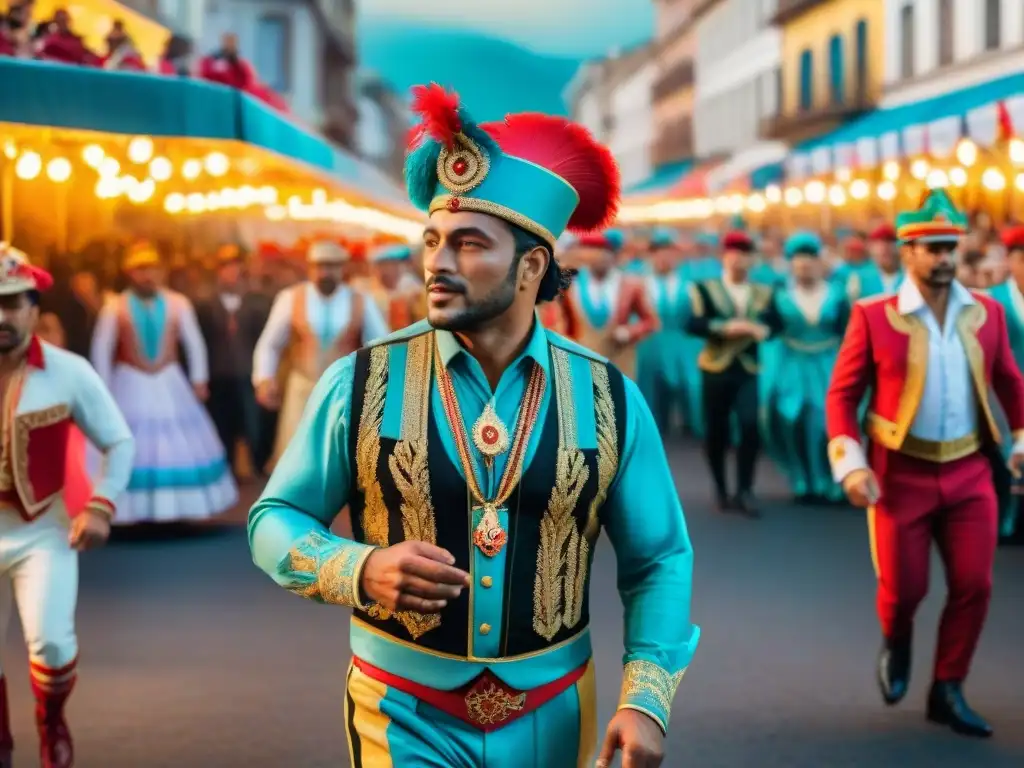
907,42
992,8
806,80
945,32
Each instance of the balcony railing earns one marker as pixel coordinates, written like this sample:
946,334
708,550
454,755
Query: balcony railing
674,143
802,124
676,78
790,9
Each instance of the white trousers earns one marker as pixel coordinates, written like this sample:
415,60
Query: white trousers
39,570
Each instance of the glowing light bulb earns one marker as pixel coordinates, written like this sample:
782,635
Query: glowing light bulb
174,203
140,150
108,168
191,169
10,149
58,170
891,170
1019,182
993,180
1017,151
958,177
887,191
93,155
142,191
794,197
815,192
160,169
843,175
196,202
756,204
860,189
967,153
217,164
773,193
29,166
919,168
108,187
837,195
937,179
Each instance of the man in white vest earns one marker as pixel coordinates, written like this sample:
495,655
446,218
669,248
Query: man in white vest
311,325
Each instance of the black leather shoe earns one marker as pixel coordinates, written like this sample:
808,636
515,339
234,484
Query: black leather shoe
894,670
746,504
723,503
947,706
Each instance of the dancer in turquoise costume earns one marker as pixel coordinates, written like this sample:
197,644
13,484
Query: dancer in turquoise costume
1010,294
812,314
480,456
885,253
661,361
858,275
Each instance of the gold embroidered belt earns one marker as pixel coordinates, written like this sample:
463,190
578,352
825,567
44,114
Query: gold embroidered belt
486,703
940,451
811,347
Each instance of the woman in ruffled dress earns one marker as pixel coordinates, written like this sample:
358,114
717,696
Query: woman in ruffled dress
813,312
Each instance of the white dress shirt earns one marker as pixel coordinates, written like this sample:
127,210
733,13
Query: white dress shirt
739,294
327,317
949,404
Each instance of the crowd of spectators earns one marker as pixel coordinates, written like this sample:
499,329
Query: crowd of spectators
55,40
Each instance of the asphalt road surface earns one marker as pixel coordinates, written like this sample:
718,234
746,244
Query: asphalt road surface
191,657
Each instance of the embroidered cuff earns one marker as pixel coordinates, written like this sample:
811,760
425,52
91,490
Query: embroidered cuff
326,569
649,688
100,506
846,456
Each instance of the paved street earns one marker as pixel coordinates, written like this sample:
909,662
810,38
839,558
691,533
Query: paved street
193,658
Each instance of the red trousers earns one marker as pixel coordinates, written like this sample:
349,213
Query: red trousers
955,505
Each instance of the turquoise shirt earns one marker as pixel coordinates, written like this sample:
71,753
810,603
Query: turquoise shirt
642,516
1009,295
864,280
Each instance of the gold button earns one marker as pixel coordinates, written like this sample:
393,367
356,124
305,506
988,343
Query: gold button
485,629
487,581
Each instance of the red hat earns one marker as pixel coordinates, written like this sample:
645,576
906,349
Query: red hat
17,275
1013,238
855,244
885,232
737,240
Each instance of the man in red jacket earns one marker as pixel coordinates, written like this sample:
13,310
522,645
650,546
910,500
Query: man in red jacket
930,355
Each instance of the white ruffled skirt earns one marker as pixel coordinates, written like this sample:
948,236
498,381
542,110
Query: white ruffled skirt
181,471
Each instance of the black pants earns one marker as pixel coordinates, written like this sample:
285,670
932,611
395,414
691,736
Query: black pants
232,407
734,391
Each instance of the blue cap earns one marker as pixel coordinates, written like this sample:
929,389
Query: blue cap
803,244
392,253
664,238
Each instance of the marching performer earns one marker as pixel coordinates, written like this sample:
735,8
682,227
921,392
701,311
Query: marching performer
400,296
856,272
614,312
1010,293
457,663
181,470
661,367
812,313
734,316
311,325
885,253
47,393
929,355
561,314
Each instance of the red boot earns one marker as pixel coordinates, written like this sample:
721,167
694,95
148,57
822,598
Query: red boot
6,738
51,688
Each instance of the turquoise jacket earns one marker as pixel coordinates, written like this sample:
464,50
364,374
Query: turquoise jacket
290,538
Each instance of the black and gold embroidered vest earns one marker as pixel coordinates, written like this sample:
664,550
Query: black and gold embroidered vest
409,489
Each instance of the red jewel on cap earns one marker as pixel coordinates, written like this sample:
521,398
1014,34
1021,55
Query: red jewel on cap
460,167
454,204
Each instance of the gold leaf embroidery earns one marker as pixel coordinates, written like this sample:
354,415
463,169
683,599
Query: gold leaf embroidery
556,551
375,512
650,689
607,446
325,571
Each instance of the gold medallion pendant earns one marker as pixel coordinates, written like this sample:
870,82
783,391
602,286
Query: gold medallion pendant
489,537
489,435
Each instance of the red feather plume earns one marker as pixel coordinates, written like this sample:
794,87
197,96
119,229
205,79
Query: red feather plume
568,150
42,278
438,110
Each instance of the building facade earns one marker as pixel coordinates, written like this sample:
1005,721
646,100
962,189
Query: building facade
832,64
937,46
303,49
672,92
384,122
738,84
611,97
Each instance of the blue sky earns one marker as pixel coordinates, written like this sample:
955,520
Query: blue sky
574,28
